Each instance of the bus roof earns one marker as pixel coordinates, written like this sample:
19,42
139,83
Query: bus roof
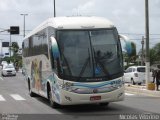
74,23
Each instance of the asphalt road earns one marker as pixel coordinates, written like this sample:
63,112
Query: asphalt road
15,102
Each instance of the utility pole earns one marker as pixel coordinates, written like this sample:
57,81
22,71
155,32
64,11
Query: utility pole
24,24
54,8
10,45
147,43
1,49
142,55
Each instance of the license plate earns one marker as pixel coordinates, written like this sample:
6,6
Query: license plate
93,98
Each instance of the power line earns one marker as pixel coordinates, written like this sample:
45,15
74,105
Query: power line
132,33
130,39
8,29
120,33
2,28
149,38
139,34
14,35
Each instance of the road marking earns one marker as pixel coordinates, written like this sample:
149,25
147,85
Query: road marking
129,94
17,97
2,98
1,78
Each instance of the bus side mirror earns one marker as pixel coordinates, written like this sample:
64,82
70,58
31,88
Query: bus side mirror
54,46
128,46
55,55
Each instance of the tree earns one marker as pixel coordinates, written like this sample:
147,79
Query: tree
155,54
15,47
16,58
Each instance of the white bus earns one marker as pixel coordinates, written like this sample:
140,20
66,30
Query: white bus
74,60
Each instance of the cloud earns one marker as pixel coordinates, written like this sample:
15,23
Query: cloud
3,6
127,15
85,9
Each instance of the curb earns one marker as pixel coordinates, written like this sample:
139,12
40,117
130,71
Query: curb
141,90
136,86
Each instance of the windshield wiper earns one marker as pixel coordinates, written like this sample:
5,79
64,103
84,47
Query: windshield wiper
66,64
84,66
98,60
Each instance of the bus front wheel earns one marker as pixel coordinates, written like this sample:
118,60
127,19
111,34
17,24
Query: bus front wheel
104,104
52,103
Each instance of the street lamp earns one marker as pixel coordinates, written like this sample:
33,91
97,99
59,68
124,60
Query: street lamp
54,1
24,24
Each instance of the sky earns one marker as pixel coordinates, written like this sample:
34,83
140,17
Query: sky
127,15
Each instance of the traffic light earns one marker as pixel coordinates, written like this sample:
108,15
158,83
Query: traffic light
14,29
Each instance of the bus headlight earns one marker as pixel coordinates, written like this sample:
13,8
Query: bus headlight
67,86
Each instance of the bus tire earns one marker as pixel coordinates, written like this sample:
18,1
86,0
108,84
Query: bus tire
30,91
104,104
51,102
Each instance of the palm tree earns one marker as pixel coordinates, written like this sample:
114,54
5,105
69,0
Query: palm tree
16,59
15,48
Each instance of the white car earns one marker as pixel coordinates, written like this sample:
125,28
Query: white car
136,75
8,70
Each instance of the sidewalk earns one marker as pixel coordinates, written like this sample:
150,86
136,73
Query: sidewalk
137,89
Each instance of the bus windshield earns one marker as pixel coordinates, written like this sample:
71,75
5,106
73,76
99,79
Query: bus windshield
89,55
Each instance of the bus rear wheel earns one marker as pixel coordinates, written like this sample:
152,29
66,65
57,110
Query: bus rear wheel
30,91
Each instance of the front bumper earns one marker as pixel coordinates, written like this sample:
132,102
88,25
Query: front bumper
70,98
5,73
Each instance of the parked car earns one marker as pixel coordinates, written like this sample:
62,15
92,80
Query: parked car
8,70
136,75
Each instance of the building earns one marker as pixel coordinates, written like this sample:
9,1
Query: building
4,49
